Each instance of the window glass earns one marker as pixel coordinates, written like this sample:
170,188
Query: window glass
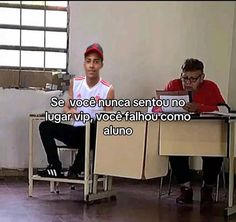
32,58
56,19
9,37
32,17
56,39
57,3
55,60
10,16
33,3
9,57
27,27
32,38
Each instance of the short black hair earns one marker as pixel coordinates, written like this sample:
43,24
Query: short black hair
192,65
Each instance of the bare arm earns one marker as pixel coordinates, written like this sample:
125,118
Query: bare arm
110,95
67,107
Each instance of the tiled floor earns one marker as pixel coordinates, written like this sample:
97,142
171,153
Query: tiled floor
137,201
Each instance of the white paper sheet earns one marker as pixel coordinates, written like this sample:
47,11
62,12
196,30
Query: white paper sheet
174,100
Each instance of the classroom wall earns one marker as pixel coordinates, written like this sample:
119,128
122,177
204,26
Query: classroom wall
232,76
16,105
144,45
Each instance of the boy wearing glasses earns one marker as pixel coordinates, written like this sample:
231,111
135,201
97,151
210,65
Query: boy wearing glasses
205,98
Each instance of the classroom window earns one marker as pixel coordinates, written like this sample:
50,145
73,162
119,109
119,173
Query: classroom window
34,35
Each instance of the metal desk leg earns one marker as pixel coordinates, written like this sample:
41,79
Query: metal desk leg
231,208
95,182
87,159
95,195
109,185
52,186
30,172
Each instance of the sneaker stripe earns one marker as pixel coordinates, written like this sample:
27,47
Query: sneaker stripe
51,172
55,172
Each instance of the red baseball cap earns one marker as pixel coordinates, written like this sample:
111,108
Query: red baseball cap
95,47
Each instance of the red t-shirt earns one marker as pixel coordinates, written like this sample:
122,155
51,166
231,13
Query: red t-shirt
207,95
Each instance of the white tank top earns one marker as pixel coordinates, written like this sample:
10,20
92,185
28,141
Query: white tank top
82,91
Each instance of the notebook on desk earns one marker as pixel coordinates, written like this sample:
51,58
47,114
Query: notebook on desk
173,101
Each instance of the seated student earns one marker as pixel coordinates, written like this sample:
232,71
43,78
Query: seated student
83,87
205,97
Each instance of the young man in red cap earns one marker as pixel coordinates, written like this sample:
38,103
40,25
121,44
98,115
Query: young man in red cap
82,87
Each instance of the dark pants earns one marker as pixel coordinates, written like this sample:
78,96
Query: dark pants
211,168
71,136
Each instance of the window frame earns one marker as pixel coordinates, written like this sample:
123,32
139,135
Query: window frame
43,49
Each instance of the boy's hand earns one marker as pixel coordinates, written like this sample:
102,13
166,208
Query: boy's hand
191,107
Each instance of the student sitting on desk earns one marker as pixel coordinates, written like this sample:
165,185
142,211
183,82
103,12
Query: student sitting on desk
205,97
83,87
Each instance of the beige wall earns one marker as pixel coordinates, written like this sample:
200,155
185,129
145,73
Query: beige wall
232,77
16,105
145,43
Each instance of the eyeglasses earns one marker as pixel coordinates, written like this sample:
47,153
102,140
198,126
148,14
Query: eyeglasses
190,79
